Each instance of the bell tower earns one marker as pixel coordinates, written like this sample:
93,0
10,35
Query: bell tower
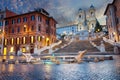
81,20
92,18
92,11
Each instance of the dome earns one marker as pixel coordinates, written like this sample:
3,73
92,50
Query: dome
80,9
91,6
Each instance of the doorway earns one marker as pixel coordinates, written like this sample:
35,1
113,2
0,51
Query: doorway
5,51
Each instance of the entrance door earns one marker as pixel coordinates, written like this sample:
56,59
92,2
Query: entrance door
5,51
32,50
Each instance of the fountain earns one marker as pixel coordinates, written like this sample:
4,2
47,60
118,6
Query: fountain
28,57
80,56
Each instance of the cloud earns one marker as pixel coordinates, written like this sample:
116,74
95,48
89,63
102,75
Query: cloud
64,11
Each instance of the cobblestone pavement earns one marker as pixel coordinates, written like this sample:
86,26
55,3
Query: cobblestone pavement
106,70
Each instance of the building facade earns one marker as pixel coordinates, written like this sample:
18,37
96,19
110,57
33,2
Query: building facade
113,21
3,14
67,30
113,24
84,28
28,31
86,21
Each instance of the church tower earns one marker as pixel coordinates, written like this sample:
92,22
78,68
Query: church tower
92,19
81,20
92,11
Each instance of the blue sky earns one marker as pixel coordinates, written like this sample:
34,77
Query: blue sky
64,11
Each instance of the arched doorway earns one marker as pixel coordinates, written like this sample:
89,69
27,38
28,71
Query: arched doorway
5,51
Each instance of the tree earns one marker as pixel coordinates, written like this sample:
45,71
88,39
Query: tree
62,36
98,27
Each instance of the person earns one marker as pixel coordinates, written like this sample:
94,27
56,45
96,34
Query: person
19,53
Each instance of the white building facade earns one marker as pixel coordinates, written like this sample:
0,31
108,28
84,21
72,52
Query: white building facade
86,23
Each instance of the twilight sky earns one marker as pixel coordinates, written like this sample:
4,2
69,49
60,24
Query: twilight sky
64,11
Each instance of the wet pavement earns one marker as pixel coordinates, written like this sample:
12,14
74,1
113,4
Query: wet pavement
104,70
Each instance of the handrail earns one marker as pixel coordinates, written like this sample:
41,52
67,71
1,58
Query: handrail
38,51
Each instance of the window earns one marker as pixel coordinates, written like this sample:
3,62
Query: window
32,18
47,22
80,28
92,25
23,49
24,40
5,41
12,41
32,39
6,30
39,28
18,29
1,23
92,13
18,20
39,18
119,20
115,8
25,19
24,29
47,31
79,16
18,40
2,16
39,38
6,22
32,28
12,30
13,21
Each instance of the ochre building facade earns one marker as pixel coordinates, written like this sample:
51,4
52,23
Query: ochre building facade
28,31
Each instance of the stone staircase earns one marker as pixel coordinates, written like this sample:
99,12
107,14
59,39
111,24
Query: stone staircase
77,46
108,47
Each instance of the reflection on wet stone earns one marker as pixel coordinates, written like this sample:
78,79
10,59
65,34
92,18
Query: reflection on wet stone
105,70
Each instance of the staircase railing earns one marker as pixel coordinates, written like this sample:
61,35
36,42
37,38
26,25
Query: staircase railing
111,41
38,51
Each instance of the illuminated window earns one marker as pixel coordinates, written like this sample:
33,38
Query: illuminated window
5,41
47,39
0,40
38,38
12,41
23,40
11,49
5,51
32,39
25,29
23,49
18,40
